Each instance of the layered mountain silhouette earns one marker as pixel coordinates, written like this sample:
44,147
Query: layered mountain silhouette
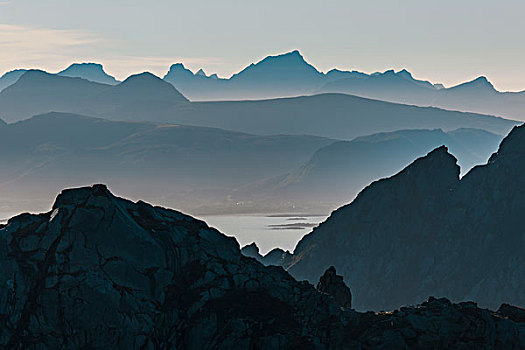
338,172
166,163
426,231
93,72
146,97
89,71
478,95
283,75
206,170
290,75
98,271
38,92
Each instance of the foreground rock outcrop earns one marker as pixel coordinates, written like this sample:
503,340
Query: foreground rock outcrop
102,272
426,232
332,284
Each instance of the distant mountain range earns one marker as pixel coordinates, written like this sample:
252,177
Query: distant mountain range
207,170
38,92
192,168
145,97
290,75
89,71
426,231
338,172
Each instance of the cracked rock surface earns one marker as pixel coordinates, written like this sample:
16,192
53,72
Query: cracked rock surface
102,272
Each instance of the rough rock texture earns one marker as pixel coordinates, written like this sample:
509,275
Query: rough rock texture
101,272
332,284
275,257
435,324
426,232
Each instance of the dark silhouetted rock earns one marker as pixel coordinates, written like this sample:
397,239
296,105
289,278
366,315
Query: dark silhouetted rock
101,272
275,257
332,284
425,231
512,312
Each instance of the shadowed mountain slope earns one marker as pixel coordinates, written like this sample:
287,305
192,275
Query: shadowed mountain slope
424,231
341,170
100,271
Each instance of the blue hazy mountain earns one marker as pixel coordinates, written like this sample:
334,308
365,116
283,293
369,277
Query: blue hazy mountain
38,92
427,231
89,71
336,116
478,95
148,98
284,75
211,170
289,75
274,76
10,78
188,167
336,173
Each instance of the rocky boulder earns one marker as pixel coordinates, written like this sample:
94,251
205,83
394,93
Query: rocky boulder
332,284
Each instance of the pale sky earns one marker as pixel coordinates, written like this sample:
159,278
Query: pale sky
441,41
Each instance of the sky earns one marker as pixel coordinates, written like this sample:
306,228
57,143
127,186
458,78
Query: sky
441,41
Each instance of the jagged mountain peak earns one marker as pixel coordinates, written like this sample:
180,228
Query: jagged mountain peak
480,83
512,147
405,74
290,64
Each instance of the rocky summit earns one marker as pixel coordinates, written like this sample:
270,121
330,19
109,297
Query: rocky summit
102,272
425,231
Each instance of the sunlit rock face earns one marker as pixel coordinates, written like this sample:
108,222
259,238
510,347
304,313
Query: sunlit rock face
426,232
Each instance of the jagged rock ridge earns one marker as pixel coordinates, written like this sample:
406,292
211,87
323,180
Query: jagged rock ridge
99,271
426,232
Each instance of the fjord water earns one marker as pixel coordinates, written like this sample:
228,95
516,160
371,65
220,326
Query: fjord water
267,231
